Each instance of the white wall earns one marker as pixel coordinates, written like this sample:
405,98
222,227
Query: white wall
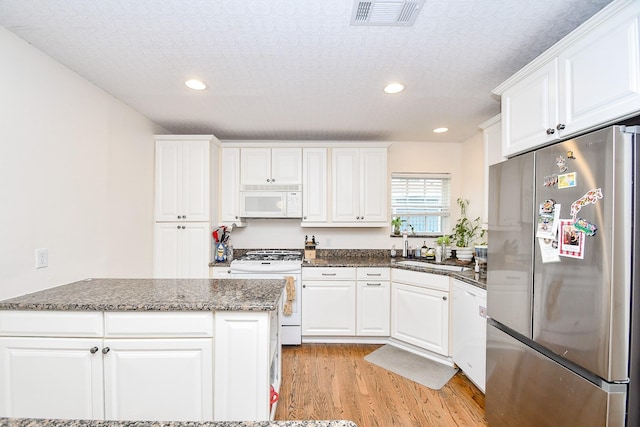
402,157
472,159
76,176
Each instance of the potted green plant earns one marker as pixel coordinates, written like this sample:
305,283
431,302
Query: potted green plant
465,232
396,223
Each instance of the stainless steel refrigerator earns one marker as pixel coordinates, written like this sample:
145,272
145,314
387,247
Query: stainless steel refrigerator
563,328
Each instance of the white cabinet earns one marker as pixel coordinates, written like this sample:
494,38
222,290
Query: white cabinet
248,364
129,366
373,301
267,166
469,325
181,250
328,301
182,178
420,310
359,186
230,185
51,378
158,379
589,79
314,184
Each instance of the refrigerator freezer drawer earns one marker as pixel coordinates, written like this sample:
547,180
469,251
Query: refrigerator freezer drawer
527,389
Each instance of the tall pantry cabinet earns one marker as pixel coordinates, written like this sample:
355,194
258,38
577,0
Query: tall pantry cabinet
182,242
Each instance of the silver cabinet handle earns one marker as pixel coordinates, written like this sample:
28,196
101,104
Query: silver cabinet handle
105,350
328,274
183,227
178,227
444,298
374,284
560,126
551,131
304,286
374,274
93,350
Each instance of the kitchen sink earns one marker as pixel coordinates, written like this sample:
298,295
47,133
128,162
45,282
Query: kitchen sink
434,266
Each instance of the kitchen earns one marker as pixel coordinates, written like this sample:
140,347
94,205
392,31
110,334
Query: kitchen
101,225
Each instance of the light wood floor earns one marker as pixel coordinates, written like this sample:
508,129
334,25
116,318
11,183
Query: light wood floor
333,381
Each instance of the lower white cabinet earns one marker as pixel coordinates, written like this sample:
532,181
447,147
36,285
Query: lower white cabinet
181,250
139,365
329,301
248,364
158,379
420,310
469,323
373,302
51,378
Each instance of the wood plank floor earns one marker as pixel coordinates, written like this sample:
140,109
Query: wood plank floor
333,381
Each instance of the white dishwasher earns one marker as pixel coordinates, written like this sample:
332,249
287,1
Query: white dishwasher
469,326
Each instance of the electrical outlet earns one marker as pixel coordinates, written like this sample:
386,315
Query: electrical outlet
42,258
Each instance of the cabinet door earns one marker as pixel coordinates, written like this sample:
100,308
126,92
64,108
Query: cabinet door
195,246
159,379
242,380
195,181
168,185
314,183
420,316
230,184
600,73
286,166
374,306
529,110
51,378
373,185
328,307
255,168
166,250
345,184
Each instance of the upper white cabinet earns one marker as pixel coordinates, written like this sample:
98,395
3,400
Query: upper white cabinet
314,184
359,186
230,185
588,79
182,174
268,166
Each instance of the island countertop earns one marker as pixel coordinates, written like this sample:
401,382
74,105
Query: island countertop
26,422
154,295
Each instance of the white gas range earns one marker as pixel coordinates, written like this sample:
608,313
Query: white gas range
275,264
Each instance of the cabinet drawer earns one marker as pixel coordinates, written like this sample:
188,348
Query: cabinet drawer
329,273
371,273
158,324
425,280
34,323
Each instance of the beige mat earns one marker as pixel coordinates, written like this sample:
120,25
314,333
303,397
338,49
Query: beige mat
416,368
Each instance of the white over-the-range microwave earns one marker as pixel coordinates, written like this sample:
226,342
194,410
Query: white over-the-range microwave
270,204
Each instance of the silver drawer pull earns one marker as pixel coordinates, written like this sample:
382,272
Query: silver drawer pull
374,284
328,274
374,274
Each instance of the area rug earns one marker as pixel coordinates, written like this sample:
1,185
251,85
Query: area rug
427,372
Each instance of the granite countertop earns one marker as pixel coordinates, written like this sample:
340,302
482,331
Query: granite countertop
359,261
31,422
155,295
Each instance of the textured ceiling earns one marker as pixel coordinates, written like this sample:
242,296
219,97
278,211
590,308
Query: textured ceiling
296,69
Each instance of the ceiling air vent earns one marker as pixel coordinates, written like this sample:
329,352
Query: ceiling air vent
386,12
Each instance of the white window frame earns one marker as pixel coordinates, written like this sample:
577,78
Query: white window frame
441,209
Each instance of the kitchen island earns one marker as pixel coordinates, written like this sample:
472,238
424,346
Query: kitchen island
143,349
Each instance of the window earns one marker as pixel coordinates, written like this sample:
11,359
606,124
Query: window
422,201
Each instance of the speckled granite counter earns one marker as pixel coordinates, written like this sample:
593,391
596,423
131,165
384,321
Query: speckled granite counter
154,295
30,422
357,261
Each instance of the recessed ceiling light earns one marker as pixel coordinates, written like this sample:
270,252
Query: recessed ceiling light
394,88
195,84
440,130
